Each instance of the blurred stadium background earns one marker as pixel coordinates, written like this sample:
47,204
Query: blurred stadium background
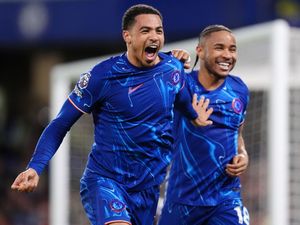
36,35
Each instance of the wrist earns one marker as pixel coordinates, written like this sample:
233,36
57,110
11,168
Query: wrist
242,155
243,152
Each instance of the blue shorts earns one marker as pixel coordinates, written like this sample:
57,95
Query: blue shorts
106,201
230,212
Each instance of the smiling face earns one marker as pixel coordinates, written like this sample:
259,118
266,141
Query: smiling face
218,54
144,39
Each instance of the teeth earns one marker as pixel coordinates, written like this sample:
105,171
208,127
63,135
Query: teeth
224,65
153,46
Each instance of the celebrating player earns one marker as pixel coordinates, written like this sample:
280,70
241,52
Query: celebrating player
204,187
131,98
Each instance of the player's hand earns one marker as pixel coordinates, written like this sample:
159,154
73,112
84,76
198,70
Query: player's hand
201,107
26,181
238,166
183,56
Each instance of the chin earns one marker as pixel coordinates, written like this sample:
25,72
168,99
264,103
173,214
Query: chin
223,75
220,75
150,62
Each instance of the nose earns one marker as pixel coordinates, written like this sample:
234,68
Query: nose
154,36
227,54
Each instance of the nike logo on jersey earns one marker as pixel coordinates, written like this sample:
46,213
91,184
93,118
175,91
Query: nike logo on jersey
133,89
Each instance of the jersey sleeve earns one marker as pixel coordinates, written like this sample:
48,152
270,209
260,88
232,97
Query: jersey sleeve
89,89
52,137
246,101
245,98
183,102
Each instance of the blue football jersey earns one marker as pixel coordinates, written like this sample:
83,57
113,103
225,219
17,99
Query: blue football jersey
132,110
198,174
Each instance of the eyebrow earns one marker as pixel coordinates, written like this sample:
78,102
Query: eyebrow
147,27
221,44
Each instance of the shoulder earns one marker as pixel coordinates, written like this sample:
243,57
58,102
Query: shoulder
104,69
192,77
97,74
167,57
239,87
106,65
238,82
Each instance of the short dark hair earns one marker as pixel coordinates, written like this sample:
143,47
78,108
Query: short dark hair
130,14
211,29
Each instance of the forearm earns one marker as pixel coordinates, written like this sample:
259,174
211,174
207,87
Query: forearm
241,146
47,145
52,137
183,104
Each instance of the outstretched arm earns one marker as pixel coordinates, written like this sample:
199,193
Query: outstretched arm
47,145
241,160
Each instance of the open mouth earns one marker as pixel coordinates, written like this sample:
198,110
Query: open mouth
151,51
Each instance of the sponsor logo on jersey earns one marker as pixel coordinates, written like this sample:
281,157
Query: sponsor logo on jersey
133,89
84,80
237,105
175,77
116,205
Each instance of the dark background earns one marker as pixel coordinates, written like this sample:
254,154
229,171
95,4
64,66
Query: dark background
36,35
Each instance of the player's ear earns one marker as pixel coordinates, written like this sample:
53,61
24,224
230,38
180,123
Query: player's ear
126,36
200,51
